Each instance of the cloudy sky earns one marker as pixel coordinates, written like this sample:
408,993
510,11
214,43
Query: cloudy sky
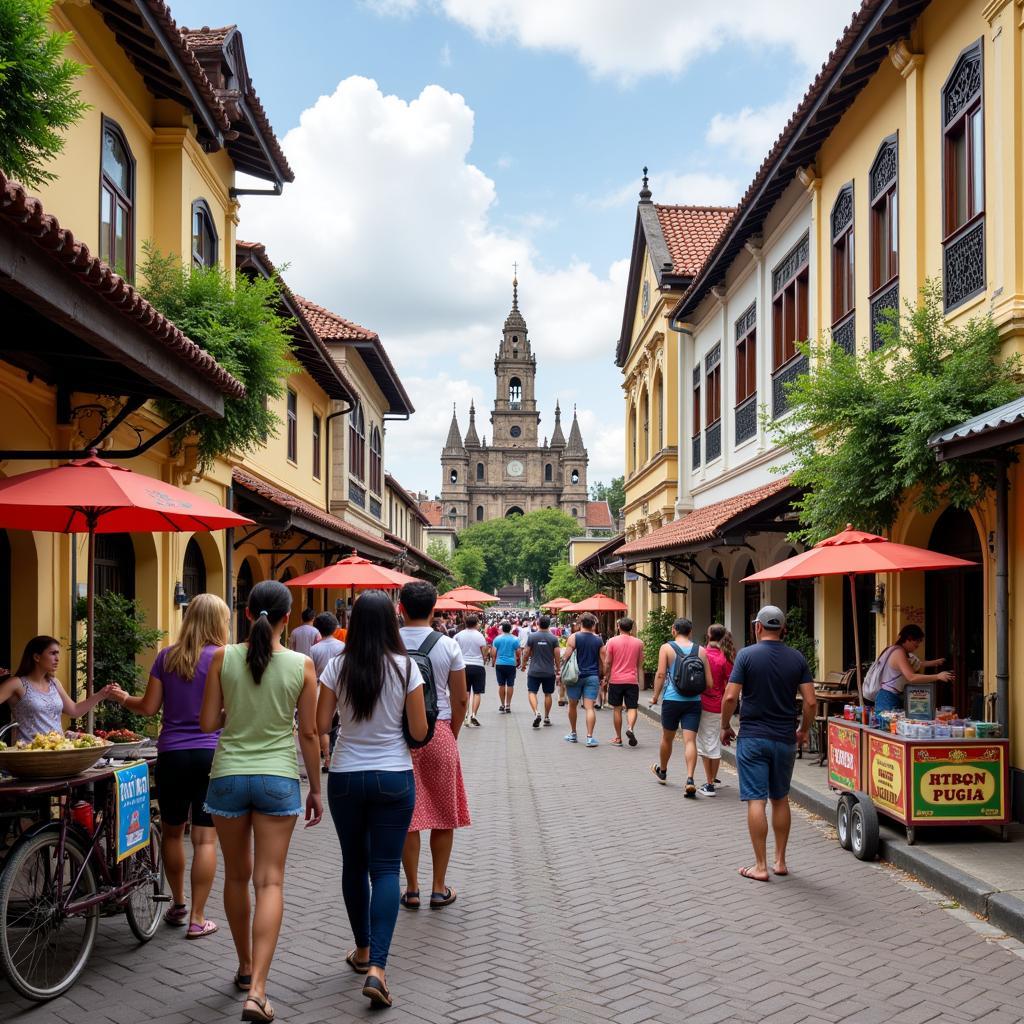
437,142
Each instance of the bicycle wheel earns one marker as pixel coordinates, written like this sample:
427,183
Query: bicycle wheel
43,950
146,870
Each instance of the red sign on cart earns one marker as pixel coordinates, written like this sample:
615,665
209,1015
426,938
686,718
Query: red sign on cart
959,782
843,756
887,775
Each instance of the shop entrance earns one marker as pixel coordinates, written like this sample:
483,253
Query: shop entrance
243,586
954,611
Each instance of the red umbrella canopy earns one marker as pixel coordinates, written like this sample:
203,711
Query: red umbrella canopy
449,604
352,572
598,603
854,552
64,499
557,604
471,594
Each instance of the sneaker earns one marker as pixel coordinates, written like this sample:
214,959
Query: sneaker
708,789
661,776
536,722
691,790
570,737
547,721
631,737
501,709
475,721
591,741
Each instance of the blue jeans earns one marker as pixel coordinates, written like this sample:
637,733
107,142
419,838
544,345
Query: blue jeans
765,767
586,688
371,812
886,700
234,796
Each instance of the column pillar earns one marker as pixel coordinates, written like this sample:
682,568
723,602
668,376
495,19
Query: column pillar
913,263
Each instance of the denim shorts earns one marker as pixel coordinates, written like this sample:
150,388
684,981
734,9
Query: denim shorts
586,688
680,713
765,767
232,796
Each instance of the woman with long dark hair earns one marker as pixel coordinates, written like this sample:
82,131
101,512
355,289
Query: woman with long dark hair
252,693
370,788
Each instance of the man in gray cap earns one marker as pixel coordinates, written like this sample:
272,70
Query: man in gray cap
768,675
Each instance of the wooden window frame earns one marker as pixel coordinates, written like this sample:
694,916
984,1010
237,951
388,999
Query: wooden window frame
696,419
201,209
844,259
791,311
376,460
292,423
713,401
317,444
884,229
745,354
107,186
357,442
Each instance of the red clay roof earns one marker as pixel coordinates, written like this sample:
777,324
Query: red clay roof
599,516
433,511
702,524
407,499
332,327
26,213
311,512
691,233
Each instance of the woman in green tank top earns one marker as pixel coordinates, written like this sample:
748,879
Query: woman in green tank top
252,693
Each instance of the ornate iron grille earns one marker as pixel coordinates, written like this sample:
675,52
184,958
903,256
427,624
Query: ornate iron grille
963,266
783,376
713,358
842,211
746,418
375,507
696,376
746,321
963,84
356,494
845,335
696,451
889,299
796,258
885,168
713,444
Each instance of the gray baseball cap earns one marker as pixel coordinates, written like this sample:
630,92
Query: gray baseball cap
771,617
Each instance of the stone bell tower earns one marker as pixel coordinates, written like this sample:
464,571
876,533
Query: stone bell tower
515,418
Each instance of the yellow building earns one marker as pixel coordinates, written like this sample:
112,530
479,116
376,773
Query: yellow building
669,245
901,163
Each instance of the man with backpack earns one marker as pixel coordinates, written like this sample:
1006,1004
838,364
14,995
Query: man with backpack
684,673
441,804
586,644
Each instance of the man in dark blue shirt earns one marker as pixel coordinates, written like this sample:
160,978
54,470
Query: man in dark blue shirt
587,644
768,675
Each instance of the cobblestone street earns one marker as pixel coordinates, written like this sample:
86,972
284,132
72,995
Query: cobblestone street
586,893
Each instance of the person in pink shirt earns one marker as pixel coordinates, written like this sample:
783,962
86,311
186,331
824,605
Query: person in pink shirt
622,661
721,654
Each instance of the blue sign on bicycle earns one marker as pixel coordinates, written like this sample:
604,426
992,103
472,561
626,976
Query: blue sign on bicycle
132,808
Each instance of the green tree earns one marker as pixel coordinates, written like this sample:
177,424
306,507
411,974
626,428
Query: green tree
657,630
614,493
37,101
565,582
238,322
860,424
440,552
469,565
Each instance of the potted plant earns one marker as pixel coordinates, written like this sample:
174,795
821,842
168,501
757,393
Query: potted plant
656,631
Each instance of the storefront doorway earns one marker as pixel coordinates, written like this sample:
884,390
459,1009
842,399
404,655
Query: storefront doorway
865,586
243,587
751,605
955,614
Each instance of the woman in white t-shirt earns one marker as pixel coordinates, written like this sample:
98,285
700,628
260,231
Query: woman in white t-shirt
370,788
473,644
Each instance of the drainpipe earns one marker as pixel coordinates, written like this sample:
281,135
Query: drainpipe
1002,598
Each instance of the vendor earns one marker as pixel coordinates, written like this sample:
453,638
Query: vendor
899,668
36,696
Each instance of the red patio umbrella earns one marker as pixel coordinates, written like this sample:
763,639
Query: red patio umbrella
352,573
465,593
93,496
449,604
855,553
598,603
557,604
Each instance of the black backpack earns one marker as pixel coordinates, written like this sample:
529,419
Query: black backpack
422,658
688,671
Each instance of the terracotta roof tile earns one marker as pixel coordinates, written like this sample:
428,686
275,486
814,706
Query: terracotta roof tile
599,516
311,512
332,327
433,510
703,524
691,233
26,213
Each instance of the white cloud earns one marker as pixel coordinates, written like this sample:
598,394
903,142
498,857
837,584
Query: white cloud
446,56
389,224
611,37
751,132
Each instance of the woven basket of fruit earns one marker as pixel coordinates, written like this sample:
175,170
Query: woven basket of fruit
125,744
52,755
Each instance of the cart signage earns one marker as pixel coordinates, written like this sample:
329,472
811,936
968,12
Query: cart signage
132,808
958,782
887,775
843,756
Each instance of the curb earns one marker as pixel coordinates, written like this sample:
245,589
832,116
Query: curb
1004,910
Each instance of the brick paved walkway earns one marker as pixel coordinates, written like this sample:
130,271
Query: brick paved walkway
587,893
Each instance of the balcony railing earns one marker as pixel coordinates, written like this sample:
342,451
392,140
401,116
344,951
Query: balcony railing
356,494
845,334
746,418
696,451
780,378
889,299
713,444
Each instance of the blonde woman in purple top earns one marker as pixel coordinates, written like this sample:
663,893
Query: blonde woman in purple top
177,682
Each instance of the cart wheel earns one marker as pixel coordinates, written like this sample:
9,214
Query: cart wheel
146,869
864,828
911,835
43,949
843,820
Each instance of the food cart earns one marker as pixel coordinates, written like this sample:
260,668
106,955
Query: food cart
919,782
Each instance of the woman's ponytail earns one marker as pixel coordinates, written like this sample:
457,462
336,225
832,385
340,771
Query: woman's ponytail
270,603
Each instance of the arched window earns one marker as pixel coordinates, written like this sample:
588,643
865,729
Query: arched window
193,570
243,586
356,442
117,200
716,612
645,427
843,269
515,391
632,438
479,471
479,513
204,235
453,476
375,461
547,473
115,564
574,477
659,413
575,511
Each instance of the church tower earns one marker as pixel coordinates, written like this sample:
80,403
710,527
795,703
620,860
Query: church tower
515,417
455,466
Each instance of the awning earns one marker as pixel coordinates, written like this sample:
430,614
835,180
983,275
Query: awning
604,559
997,428
726,522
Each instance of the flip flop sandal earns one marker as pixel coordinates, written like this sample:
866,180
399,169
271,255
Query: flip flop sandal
359,966
749,873
616,741
176,917
406,897
261,1016
631,737
243,981
377,992
198,931
442,899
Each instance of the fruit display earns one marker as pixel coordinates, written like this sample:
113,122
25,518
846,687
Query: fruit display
119,736
51,741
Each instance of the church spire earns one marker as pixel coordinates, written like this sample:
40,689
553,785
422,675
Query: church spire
514,321
454,442
472,440
575,437
557,437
